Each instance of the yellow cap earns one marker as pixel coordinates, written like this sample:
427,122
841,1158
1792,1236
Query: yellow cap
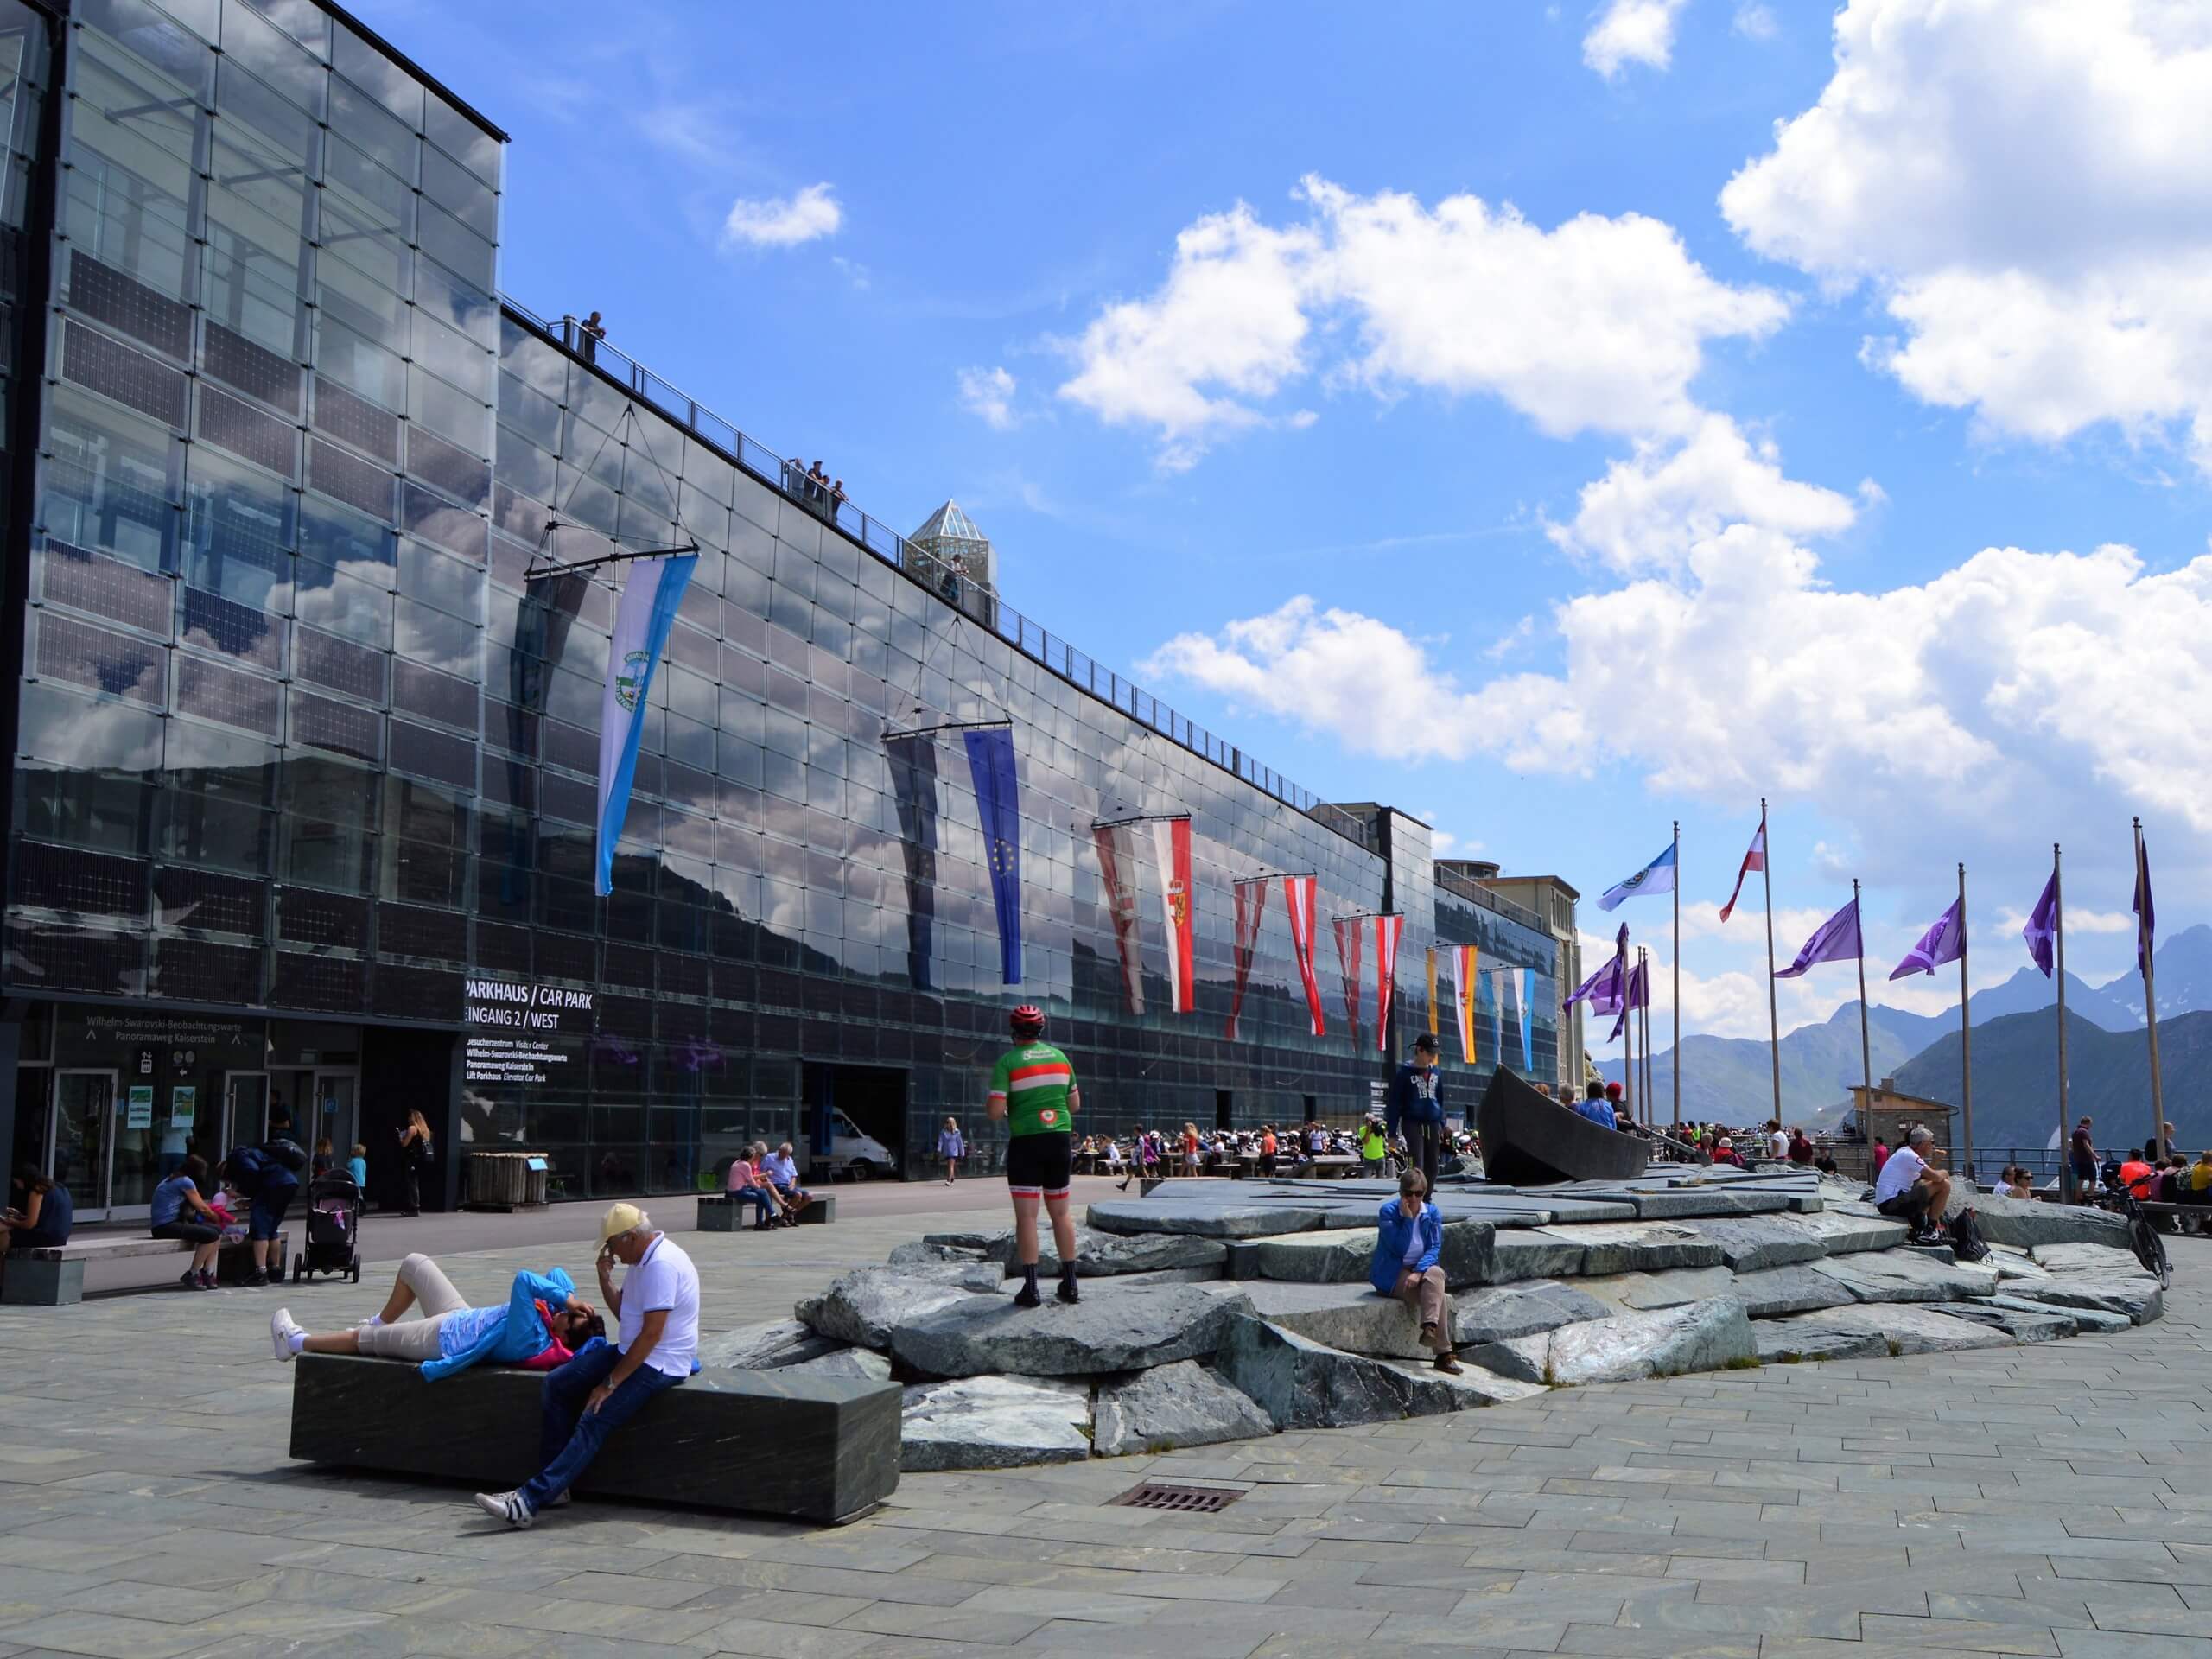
620,1218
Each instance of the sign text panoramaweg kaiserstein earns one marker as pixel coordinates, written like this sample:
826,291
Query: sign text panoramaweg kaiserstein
514,1029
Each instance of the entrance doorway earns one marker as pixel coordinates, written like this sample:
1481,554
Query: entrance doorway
856,1119
80,1136
324,1102
1224,1110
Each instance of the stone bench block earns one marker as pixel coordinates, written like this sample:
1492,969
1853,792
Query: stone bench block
34,1282
1344,1256
821,1449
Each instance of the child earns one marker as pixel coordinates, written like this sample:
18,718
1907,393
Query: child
324,1157
358,1167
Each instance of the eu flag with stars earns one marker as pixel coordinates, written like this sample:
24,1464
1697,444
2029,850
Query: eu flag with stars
998,808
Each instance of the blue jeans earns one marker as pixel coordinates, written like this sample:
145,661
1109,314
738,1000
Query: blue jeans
568,1438
745,1195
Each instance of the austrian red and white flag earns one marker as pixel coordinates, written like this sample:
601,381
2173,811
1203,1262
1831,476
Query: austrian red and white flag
1388,931
1298,893
1170,845
1347,930
1121,905
1251,906
1753,860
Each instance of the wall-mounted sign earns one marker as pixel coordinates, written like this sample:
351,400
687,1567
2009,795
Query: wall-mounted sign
521,1033
184,1105
138,1111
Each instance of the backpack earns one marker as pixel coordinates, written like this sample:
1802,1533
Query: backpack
244,1168
1967,1241
287,1154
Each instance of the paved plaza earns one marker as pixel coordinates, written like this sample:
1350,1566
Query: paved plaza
2043,1500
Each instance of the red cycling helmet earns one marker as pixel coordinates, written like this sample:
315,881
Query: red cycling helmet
1028,1020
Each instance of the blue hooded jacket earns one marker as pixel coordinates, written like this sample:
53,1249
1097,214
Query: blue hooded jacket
522,1334
1393,1230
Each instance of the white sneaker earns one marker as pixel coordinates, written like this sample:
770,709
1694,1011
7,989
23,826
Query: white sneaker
507,1507
558,1499
282,1330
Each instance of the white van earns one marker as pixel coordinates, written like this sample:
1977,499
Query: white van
853,1153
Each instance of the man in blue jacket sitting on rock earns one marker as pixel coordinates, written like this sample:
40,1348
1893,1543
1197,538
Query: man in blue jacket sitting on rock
1409,1241
540,1325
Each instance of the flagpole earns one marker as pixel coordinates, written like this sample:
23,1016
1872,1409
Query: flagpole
1865,1049
1678,975
1630,1094
2151,1009
2059,918
1650,1061
1966,1038
1773,1018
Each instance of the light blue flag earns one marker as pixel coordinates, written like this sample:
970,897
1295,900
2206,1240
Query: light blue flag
1657,876
650,593
1527,998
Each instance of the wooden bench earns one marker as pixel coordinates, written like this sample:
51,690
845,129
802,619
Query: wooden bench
54,1275
721,1213
819,1448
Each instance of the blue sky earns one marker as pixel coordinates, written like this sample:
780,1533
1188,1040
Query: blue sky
1277,351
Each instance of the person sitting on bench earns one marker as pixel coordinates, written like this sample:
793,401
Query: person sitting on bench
38,1215
783,1174
541,1324
179,1212
1913,1191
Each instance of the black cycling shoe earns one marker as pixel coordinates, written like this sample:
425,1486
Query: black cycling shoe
1067,1293
1028,1297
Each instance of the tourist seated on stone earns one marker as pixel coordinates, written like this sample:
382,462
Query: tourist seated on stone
1911,1190
1826,1162
1594,1104
179,1212
2015,1182
1724,1152
1800,1148
1408,1245
539,1326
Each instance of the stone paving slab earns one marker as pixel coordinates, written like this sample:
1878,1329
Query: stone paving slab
2041,1500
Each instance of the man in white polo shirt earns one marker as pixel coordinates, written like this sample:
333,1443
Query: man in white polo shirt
656,1347
1912,1190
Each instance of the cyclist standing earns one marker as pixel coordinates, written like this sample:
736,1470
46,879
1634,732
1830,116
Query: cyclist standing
1033,1089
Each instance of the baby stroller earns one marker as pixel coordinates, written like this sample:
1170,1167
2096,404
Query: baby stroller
333,1229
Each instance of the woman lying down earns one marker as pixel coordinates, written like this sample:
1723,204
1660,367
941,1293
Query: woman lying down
540,1326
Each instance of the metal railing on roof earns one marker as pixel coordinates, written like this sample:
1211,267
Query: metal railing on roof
1460,887
971,596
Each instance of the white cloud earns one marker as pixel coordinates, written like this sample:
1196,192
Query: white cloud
1651,508
988,395
784,221
2027,184
1599,324
1631,31
1755,21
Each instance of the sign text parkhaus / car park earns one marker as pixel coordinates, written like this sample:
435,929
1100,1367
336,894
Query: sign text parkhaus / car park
533,1008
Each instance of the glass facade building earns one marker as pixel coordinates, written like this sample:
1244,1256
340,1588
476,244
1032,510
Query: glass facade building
304,745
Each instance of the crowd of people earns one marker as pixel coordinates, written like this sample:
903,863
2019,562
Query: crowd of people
1367,1149
768,1183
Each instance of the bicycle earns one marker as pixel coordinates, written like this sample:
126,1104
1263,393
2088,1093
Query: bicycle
2149,1249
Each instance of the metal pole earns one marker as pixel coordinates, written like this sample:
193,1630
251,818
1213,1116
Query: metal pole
1865,1049
1773,1019
2058,906
1631,1095
1643,1036
1678,977
1966,1039
2151,1017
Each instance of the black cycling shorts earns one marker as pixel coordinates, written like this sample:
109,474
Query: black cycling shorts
1039,1165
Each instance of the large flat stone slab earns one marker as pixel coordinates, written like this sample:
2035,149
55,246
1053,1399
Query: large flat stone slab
1160,1214
1534,1252
765,1347
1350,1317
1345,1256
1794,1289
2029,1223
1504,1312
1902,1276
2086,1321
1701,1336
1638,1246
995,1422
2104,1260
1106,1256
860,1308
2137,1297
1644,1292
1305,1384
2024,1322
1911,1328
1114,1328
822,1449
861,1363
1844,1232
917,1253
1173,1408
1804,1337
1687,1202
1751,1243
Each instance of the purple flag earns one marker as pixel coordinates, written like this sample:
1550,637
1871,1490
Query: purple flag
1605,990
1945,942
1834,940
2147,918
1639,996
2042,930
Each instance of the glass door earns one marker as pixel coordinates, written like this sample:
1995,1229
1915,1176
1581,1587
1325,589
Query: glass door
84,1126
245,1111
337,1114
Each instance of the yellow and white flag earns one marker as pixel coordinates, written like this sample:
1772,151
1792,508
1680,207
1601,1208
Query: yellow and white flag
1466,962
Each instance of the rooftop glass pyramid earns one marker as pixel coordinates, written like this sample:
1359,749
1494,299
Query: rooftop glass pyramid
949,530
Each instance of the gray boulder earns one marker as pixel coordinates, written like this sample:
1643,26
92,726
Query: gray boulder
1100,1255
1805,1336
2105,1260
2024,1322
2029,1223
2013,1264
766,1347
2086,1321
1350,1317
1173,1408
1638,1246
1794,1289
980,1243
1305,1384
1114,1328
1846,1231
1166,1213
1903,1276
1504,1311
1644,1292
1344,1256
1704,1200
1535,1253
2137,1297
860,1308
857,1363
1915,1328
922,1252
994,1422
1754,1243
1701,1336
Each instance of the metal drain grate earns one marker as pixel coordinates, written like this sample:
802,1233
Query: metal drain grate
1184,1500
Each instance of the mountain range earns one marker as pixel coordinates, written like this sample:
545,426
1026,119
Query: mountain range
1730,1079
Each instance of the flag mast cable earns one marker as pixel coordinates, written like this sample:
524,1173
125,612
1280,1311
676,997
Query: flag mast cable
1678,977
1966,1036
2058,896
1773,1018
1865,1049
